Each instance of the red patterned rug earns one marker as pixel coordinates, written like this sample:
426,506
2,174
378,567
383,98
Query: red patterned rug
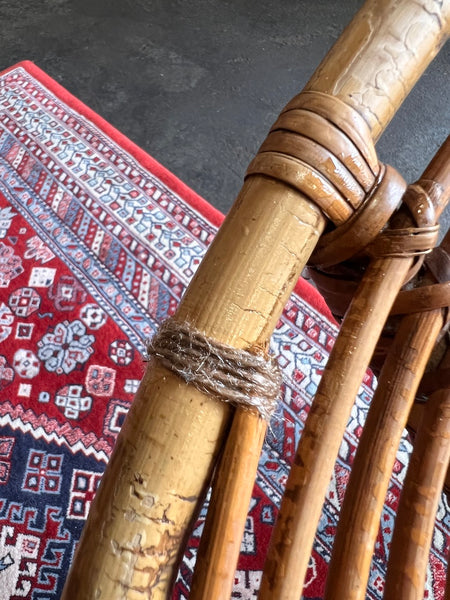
97,245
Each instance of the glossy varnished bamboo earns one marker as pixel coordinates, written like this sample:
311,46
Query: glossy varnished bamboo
390,409
214,573
301,506
359,519
166,451
167,448
416,514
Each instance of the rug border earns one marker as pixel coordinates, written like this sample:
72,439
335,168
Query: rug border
302,288
167,177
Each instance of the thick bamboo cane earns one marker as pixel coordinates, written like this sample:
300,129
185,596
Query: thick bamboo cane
414,524
221,539
167,448
293,536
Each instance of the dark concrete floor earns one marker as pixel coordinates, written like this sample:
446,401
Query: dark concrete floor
197,84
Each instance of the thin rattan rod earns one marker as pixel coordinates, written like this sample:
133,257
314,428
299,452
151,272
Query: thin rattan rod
294,532
364,498
416,513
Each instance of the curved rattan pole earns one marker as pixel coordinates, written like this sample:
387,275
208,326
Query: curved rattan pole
365,494
359,519
221,539
414,524
293,536
166,450
301,506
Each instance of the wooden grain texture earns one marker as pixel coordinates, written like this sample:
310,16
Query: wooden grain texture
129,547
360,515
228,508
416,513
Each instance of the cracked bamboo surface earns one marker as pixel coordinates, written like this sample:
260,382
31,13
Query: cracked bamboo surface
396,44
167,448
166,451
416,514
220,544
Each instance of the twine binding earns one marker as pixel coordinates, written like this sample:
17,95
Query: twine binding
242,378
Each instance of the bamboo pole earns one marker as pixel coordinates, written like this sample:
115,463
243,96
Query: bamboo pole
231,493
359,519
390,33
220,544
294,532
372,467
414,524
167,447
165,453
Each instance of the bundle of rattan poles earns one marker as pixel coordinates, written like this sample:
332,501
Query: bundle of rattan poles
318,166
410,350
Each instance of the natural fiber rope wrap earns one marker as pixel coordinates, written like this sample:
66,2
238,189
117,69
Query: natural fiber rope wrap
242,378
322,147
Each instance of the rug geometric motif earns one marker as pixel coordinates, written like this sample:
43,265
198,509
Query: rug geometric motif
97,244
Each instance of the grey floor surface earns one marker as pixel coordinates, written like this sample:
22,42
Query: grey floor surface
198,83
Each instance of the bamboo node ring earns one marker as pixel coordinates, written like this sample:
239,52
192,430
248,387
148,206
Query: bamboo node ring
242,378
